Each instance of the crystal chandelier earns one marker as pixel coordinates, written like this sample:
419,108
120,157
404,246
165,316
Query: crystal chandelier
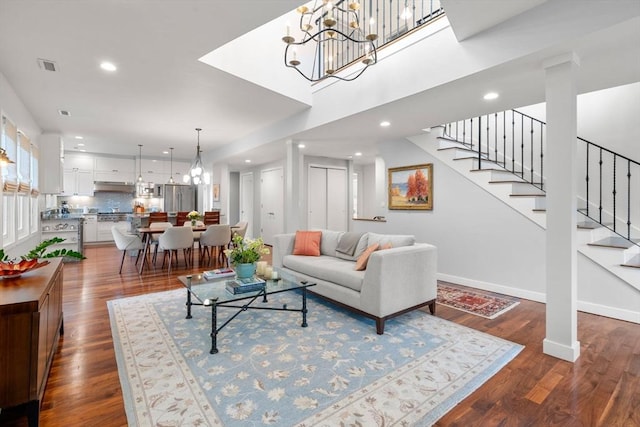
4,159
332,36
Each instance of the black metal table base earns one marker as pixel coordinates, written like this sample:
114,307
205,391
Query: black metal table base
214,312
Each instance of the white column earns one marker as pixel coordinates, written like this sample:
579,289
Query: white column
292,188
560,165
381,187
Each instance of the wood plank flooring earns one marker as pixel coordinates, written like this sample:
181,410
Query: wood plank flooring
601,389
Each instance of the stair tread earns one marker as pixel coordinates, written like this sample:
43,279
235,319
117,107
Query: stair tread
509,181
633,262
528,195
590,225
613,242
492,169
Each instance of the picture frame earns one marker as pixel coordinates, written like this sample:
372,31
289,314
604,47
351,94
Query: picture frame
411,187
216,192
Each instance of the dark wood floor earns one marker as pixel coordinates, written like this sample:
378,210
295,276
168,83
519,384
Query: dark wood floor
601,389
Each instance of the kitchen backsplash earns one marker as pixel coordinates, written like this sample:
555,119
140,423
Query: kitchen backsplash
107,201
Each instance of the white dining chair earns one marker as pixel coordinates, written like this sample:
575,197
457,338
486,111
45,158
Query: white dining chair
126,242
162,225
215,237
173,239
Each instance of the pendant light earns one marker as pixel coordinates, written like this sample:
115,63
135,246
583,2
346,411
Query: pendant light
140,162
171,181
196,170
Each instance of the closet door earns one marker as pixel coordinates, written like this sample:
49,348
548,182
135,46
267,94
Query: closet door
337,199
327,198
317,198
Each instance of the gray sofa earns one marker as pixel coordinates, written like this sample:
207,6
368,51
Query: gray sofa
395,281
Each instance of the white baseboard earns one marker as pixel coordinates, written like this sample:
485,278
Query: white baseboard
615,313
584,306
492,287
569,353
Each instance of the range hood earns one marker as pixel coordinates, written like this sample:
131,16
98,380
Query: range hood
114,187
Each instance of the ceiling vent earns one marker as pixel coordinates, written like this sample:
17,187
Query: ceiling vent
47,65
64,113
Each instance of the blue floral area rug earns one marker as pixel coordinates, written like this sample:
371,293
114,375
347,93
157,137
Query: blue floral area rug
272,372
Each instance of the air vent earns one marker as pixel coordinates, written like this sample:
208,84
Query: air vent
47,65
64,113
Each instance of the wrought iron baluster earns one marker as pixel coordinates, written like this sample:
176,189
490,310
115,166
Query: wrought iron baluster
614,193
600,207
480,142
629,199
541,157
495,135
504,139
531,150
522,146
587,178
513,139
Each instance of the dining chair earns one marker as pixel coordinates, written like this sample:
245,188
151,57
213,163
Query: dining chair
196,234
173,239
154,237
126,242
212,217
158,217
181,217
216,236
240,229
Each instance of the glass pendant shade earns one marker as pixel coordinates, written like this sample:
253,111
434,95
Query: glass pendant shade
196,170
171,181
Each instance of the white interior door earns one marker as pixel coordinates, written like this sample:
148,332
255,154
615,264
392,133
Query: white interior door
271,204
246,202
317,198
337,199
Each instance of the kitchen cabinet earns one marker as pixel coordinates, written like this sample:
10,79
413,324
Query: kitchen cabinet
77,182
69,229
113,169
31,321
51,164
90,228
104,229
79,161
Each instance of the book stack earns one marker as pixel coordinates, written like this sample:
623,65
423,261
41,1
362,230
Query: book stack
218,273
241,286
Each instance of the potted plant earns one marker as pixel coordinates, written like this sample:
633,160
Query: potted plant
9,268
244,254
194,216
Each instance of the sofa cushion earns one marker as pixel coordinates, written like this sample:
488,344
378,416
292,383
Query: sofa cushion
361,263
396,240
307,243
328,268
362,246
349,242
329,242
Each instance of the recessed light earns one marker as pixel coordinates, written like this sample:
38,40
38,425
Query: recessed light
80,144
385,123
301,145
79,137
358,154
108,66
248,161
64,113
491,95
165,152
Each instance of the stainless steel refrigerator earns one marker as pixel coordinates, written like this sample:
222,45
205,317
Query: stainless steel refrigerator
180,198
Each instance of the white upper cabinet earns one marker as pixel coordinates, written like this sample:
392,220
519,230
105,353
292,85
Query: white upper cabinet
78,162
114,169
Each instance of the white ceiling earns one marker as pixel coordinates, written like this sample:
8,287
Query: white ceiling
161,92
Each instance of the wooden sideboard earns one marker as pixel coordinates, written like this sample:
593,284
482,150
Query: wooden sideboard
30,327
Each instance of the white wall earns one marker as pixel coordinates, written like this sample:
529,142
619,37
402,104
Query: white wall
463,226
12,107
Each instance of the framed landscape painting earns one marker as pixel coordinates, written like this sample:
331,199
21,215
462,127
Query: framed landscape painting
411,187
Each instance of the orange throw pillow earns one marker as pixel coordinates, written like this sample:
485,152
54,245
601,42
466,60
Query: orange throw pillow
363,259
307,243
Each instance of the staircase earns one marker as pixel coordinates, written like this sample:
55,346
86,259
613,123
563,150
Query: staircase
503,153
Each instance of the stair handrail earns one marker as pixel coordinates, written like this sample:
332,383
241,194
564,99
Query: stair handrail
489,152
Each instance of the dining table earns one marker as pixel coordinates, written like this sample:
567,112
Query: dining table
147,232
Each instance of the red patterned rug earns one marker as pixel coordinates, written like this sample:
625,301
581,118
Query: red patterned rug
476,302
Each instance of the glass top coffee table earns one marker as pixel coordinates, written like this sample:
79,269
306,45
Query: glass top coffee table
213,293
